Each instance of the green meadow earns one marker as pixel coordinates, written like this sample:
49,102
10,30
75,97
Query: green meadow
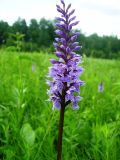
29,126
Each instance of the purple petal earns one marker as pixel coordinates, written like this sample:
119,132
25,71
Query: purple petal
61,11
60,85
68,8
56,104
73,24
81,83
69,27
61,26
60,55
69,97
71,12
77,33
57,39
77,48
54,61
75,105
58,6
59,32
55,45
74,37
68,49
73,18
63,41
80,70
60,19
66,79
74,44
71,90
62,1
62,47
78,98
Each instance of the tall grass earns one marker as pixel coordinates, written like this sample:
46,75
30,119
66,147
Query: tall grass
28,126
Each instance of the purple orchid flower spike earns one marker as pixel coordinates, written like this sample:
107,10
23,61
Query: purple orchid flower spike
100,87
65,72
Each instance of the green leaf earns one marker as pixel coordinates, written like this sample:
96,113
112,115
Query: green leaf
28,134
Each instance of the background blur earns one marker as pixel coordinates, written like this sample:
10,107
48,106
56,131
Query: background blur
34,21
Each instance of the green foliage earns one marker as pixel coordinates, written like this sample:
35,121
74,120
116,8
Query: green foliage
100,47
4,30
27,134
40,34
16,40
29,127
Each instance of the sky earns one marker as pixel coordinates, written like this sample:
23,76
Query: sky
95,16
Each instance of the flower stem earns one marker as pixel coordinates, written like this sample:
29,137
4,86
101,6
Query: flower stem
61,123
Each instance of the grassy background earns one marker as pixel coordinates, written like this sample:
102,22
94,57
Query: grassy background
29,127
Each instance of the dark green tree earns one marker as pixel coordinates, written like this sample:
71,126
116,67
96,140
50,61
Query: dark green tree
47,33
20,26
4,31
33,31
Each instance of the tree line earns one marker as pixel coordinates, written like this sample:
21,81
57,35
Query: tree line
40,35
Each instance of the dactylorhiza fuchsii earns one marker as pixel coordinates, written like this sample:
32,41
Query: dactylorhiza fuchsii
100,87
64,74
